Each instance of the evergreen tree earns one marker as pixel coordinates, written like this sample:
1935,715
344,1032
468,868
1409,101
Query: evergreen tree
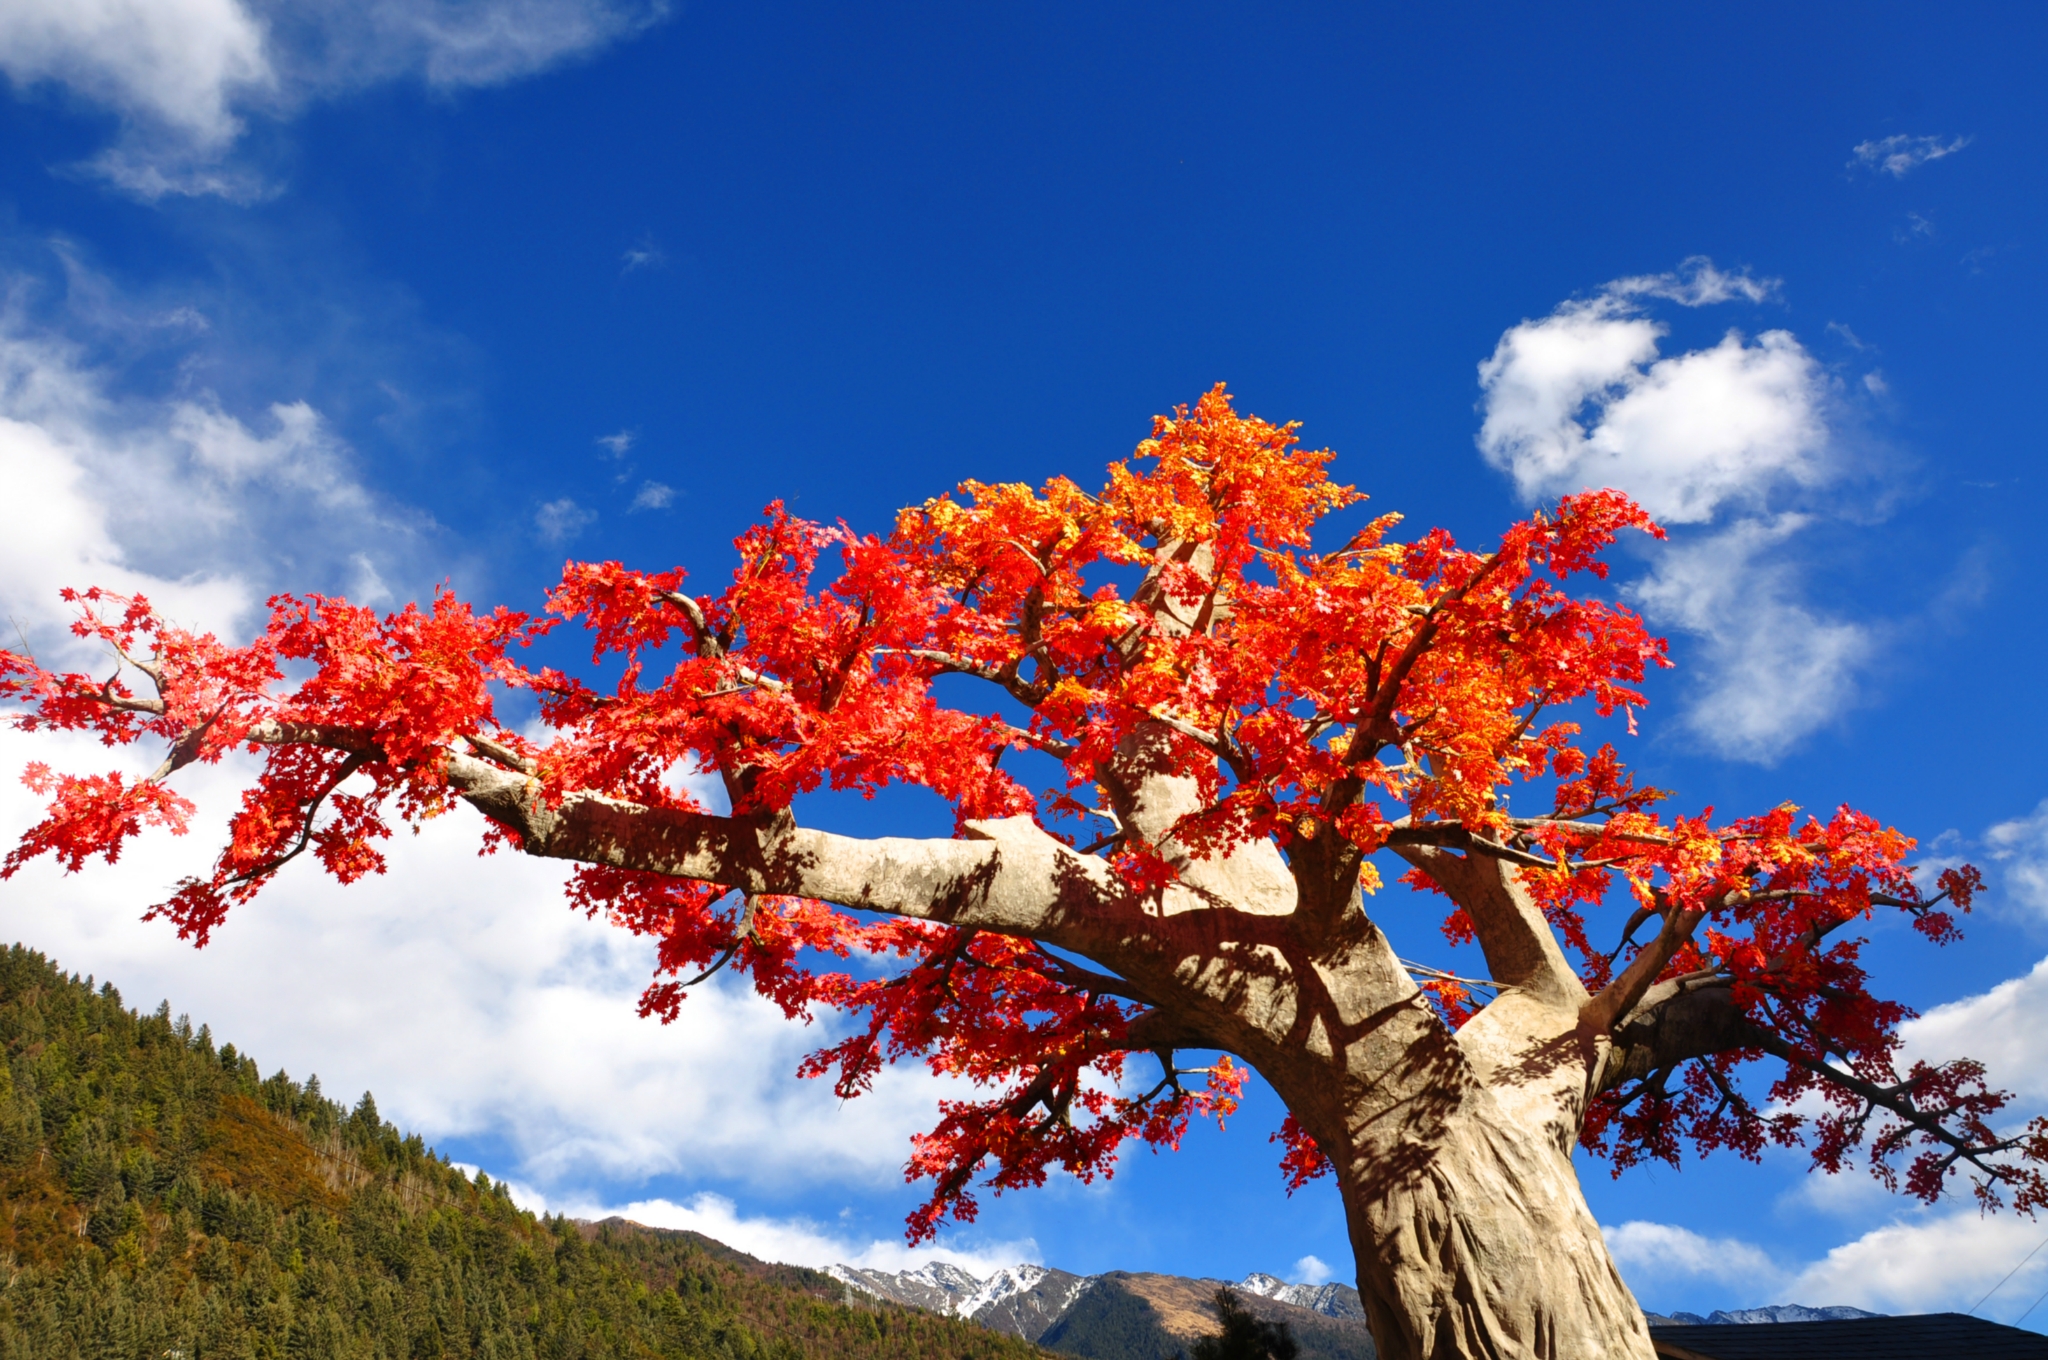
163,1199
1245,1336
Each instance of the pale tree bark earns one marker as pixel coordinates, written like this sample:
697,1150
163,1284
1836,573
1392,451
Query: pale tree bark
1452,1151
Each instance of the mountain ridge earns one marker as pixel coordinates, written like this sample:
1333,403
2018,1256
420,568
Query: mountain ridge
1117,1313
1772,1312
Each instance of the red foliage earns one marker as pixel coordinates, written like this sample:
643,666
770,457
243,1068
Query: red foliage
1353,694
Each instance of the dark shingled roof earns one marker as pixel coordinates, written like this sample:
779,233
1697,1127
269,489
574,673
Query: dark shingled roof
1922,1336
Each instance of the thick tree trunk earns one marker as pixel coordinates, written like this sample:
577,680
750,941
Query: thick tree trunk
1479,1243
1471,1235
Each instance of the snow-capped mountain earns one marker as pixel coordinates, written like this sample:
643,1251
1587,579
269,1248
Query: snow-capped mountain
1777,1312
1023,1300
1028,1300
1331,1300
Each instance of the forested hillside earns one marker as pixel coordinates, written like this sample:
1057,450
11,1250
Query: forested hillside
163,1199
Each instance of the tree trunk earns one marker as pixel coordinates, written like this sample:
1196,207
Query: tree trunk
1479,1243
1453,1151
1471,1235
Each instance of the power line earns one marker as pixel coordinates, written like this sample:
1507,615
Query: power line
2030,1308
2008,1275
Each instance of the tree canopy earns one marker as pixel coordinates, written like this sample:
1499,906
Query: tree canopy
1236,721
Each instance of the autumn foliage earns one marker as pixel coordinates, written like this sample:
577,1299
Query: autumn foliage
1337,698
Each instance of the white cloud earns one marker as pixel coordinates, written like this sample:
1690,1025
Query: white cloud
1899,154
185,75
461,990
619,443
467,995
1311,1270
1581,399
1927,1263
174,498
1945,1257
1654,1253
1773,669
1695,283
178,64
646,255
1939,1264
2005,1028
793,1241
654,496
561,520
2021,845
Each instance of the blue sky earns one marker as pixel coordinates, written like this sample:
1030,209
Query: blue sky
365,296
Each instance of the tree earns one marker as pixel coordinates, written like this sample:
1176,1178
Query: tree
1243,726
1244,1335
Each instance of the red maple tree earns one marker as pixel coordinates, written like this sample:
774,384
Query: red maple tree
1238,736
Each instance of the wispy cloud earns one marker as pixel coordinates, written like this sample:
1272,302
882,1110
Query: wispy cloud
175,497
645,255
2021,846
186,76
1774,668
1899,155
653,496
558,521
618,444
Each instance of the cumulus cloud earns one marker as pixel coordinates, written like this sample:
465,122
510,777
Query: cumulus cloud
1900,154
1946,1257
1928,1263
2005,1028
469,997
1584,398
1657,1252
185,76
461,990
180,65
1311,1270
618,444
1580,398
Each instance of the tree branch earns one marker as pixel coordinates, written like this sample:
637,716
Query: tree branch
1521,949
1620,996
1008,876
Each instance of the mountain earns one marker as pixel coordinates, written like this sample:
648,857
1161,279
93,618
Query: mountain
161,1198
1022,1300
1120,1315
1777,1312
1331,1300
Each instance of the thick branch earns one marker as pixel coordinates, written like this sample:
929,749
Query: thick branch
1521,949
1008,877
1619,997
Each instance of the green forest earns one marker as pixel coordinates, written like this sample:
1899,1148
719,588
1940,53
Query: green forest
165,1201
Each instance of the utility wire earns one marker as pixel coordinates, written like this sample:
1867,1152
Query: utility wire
2030,1308
2008,1275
